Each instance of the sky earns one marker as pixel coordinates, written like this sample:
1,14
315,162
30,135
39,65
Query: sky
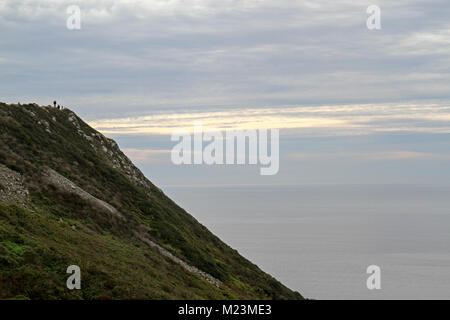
353,105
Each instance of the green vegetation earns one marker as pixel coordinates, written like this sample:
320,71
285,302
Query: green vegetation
38,242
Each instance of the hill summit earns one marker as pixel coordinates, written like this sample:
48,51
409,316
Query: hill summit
69,196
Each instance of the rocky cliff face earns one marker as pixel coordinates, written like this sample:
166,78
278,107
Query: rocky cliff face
68,195
12,188
111,150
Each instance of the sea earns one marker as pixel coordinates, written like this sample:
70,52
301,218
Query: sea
320,240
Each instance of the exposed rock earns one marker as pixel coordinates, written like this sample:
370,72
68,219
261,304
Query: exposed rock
12,188
45,124
68,186
206,276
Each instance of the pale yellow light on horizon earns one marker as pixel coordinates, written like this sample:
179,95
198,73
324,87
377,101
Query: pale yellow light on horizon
351,118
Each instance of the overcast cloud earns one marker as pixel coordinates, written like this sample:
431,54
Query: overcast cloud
311,68
134,55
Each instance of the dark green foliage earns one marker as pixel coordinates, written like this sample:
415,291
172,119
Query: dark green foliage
36,247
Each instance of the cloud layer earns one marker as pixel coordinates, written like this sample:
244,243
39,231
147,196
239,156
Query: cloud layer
132,56
307,121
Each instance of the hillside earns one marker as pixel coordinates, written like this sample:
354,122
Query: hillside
69,196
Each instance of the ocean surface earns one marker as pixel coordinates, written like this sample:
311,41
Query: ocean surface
320,239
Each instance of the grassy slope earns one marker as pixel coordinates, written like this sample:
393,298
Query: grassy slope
36,247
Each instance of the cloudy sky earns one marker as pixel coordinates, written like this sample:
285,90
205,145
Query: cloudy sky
353,105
